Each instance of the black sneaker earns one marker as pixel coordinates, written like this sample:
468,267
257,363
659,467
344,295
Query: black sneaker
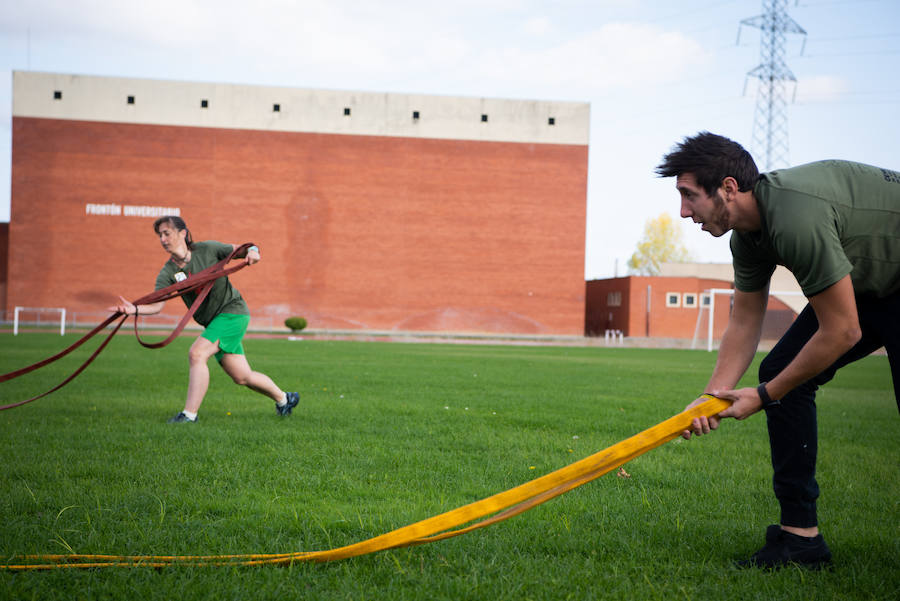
292,399
181,418
783,548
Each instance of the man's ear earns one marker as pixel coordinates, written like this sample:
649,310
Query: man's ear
730,188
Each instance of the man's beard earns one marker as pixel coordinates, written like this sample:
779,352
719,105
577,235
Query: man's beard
719,217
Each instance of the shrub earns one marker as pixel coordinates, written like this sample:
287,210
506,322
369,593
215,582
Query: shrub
295,323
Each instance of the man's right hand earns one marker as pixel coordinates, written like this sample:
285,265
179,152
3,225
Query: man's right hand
701,425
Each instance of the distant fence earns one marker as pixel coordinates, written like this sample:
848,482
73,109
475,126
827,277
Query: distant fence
47,317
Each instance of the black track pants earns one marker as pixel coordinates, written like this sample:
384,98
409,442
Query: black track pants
792,424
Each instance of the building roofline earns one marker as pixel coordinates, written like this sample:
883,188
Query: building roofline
268,108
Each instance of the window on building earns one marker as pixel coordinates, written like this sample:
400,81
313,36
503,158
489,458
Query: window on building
689,300
276,108
415,115
131,100
614,299
346,111
204,104
704,299
57,95
673,299
551,121
484,118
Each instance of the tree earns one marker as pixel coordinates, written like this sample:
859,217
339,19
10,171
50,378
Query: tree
661,244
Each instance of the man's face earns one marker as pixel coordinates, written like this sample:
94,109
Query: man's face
711,212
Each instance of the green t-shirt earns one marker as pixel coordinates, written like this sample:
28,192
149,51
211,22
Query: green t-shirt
822,221
223,298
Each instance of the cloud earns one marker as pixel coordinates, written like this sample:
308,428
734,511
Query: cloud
384,36
821,88
537,26
615,56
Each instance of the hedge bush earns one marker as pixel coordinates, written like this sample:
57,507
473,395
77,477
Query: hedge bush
295,323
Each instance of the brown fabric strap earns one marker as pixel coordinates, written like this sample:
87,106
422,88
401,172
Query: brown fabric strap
62,354
202,280
204,291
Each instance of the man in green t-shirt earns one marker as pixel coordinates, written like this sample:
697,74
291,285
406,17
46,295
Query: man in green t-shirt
223,313
836,226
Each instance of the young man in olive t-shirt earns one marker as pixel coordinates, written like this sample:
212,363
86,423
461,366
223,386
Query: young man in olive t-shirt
836,226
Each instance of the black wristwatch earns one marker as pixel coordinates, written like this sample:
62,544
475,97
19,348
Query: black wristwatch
764,396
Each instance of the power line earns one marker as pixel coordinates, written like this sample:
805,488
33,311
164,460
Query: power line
835,2
684,13
858,37
860,53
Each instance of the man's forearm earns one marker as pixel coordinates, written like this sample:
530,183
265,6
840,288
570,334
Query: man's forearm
838,332
819,352
736,352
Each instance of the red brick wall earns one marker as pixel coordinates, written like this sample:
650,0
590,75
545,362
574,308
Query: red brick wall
681,321
4,255
355,231
605,312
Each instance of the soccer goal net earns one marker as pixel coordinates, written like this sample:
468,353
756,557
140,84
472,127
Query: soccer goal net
715,309
39,316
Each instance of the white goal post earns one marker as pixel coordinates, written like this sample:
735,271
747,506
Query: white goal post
40,310
710,308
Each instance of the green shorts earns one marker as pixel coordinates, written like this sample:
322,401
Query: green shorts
228,330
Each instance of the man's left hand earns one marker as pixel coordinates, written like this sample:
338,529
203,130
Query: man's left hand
744,402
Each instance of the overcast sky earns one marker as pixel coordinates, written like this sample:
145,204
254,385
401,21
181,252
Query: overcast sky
653,71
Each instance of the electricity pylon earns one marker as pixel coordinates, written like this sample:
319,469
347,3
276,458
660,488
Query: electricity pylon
770,123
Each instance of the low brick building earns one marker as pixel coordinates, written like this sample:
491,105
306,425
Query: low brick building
679,306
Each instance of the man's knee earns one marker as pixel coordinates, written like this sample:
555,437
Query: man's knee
769,367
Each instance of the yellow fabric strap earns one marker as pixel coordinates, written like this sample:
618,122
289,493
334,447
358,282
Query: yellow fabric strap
508,503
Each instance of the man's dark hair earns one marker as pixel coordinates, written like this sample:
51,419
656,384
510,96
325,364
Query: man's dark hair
176,222
711,158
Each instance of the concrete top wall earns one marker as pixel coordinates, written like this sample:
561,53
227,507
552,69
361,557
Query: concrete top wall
156,102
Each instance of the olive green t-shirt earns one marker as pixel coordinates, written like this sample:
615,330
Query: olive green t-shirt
223,298
823,221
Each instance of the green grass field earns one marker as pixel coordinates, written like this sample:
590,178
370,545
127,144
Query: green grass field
389,434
